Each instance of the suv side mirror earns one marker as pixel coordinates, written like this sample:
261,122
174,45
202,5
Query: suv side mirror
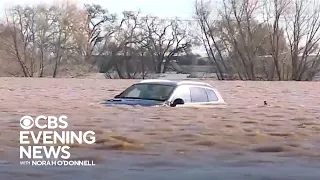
177,102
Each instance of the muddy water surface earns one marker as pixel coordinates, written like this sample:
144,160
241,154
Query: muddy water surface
245,140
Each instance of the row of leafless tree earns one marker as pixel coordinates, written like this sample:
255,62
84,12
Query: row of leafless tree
262,39
45,40
245,39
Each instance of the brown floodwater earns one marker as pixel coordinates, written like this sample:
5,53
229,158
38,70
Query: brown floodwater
133,139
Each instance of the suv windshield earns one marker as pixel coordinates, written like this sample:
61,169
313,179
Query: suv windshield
158,92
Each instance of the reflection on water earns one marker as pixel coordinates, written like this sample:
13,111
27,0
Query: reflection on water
245,140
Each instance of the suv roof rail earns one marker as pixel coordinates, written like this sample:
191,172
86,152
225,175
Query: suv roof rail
194,83
154,80
176,82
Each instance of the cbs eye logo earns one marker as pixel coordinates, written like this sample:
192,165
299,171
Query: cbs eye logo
26,122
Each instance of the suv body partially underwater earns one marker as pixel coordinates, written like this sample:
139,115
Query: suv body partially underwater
168,93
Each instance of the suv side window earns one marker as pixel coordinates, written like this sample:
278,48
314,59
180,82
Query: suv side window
183,93
199,95
212,95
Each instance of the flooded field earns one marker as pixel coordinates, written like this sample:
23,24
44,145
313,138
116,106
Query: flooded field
246,140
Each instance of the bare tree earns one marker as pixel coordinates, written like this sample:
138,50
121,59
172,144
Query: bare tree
9,65
209,40
45,21
257,39
56,43
242,14
123,45
273,12
302,27
42,36
99,25
236,40
165,38
21,23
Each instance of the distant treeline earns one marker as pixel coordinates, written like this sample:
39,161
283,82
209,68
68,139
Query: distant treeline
250,40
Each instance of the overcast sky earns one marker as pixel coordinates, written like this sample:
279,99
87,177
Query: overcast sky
162,8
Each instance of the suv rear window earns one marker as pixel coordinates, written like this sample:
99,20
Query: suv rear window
212,95
198,94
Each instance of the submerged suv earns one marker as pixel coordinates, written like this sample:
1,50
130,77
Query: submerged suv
168,93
